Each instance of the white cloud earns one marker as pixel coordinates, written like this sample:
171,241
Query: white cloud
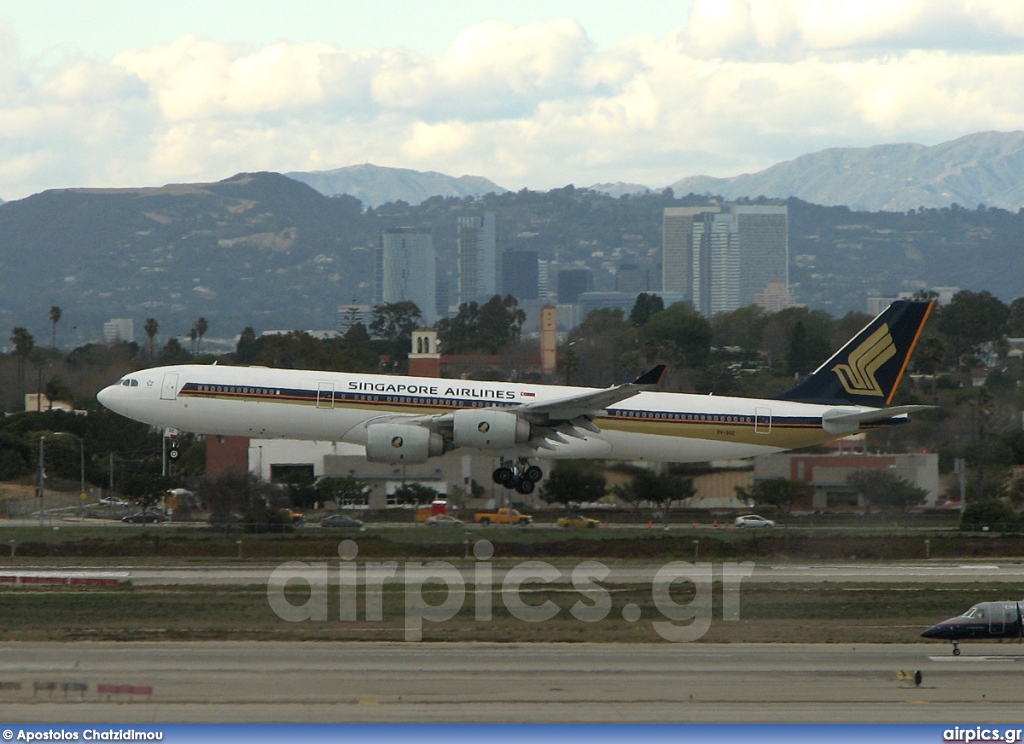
744,85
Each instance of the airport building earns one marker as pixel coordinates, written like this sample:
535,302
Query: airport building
827,474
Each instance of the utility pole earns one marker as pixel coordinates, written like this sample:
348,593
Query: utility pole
42,477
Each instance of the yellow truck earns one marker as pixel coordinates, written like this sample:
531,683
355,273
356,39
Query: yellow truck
502,516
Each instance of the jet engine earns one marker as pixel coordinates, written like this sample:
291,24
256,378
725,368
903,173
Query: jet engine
489,429
405,443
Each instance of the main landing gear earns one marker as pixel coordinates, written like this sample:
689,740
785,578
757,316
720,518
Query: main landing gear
518,476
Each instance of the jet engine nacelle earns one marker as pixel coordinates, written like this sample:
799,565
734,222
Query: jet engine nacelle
489,429
405,443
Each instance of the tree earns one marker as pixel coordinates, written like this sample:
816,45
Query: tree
23,345
989,513
573,482
55,314
487,327
646,305
395,320
885,490
681,333
173,352
344,490
971,319
665,490
414,493
193,334
151,327
779,493
56,390
658,490
201,328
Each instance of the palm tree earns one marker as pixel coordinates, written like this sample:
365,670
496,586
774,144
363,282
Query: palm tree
151,327
192,335
201,328
23,345
55,314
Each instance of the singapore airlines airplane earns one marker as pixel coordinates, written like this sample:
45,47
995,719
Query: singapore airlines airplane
411,419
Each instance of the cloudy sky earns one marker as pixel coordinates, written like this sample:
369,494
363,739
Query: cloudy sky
527,93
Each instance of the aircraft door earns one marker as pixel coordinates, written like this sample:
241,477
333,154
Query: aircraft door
762,420
998,614
325,395
169,388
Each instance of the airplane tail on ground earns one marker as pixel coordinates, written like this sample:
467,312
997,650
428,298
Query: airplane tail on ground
868,369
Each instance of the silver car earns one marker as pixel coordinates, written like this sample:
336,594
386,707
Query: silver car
752,520
443,520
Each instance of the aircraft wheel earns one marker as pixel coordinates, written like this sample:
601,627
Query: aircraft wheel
173,454
534,473
956,651
525,486
502,476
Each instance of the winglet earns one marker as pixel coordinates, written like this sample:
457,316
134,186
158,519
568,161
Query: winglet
652,377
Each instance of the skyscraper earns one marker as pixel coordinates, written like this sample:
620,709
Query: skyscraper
519,276
572,283
407,269
719,259
680,229
477,258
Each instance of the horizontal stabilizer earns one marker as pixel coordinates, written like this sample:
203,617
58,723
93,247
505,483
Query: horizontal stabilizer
844,422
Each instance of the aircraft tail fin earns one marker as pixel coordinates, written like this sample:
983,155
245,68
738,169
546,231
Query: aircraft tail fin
868,369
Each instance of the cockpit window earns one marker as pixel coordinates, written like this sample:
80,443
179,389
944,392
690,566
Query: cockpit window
135,383
127,382
973,612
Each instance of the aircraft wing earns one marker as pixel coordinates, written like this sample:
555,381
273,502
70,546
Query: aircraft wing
844,422
551,419
587,404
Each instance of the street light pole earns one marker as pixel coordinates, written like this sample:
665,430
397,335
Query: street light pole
81,468
42,477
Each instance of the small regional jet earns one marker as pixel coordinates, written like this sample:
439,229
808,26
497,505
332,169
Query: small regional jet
984,620
411,419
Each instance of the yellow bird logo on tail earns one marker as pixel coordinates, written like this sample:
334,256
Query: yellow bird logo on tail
858,376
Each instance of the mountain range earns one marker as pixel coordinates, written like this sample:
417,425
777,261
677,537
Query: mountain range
983,168
374,185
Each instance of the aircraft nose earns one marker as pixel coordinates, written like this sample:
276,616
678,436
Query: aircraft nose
937,631
107,396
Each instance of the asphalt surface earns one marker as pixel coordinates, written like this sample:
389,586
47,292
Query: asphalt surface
897,573
440,682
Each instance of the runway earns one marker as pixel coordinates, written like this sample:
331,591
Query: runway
844,573
544,683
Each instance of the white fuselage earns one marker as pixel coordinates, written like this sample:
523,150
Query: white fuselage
338,407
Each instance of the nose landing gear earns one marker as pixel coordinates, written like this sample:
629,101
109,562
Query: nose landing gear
518,476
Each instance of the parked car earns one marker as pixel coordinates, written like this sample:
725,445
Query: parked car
112,501
340,520
442,520
145,516
577,522
752,520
